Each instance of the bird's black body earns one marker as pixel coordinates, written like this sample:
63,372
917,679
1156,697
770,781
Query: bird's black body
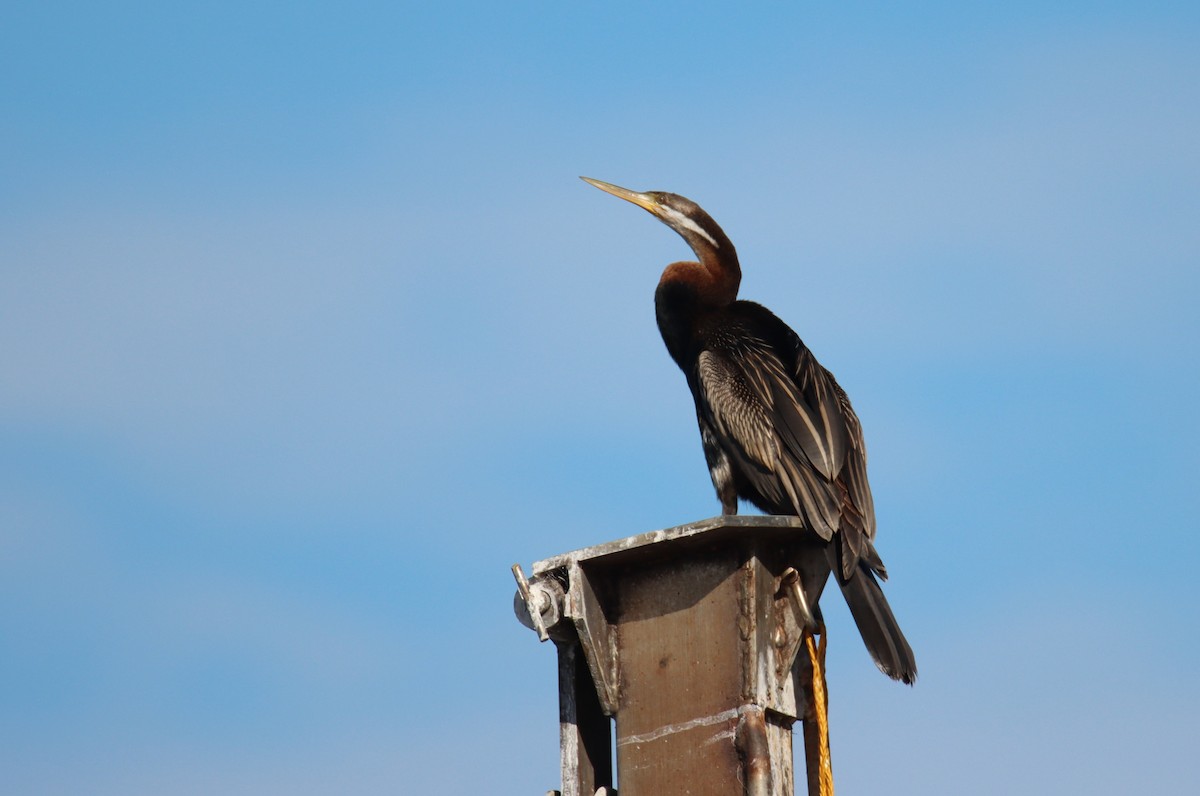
777,429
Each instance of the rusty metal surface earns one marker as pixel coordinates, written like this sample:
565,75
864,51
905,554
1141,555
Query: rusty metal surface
591,614
585,733
779,743
754,751
690,637
697,759
713,530
678,660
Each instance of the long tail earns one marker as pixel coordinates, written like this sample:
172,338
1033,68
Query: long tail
878,627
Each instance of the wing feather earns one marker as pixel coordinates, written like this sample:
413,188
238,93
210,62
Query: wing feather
748,402
789,429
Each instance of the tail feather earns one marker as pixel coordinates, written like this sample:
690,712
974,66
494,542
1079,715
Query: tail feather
877,625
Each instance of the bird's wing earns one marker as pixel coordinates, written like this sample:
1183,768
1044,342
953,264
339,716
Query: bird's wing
854,473
857,528
806,401
788,449
843,436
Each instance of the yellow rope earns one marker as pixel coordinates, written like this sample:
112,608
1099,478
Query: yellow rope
820,706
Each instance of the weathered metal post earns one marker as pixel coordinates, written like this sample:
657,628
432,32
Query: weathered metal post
687,638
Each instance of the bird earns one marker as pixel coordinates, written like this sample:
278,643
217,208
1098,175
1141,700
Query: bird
777,429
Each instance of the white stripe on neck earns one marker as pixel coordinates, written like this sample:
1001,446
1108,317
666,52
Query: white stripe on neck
678,220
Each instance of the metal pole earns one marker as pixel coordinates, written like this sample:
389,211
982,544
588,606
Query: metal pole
692,639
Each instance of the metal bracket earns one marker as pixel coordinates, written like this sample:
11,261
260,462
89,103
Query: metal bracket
595,635
793,617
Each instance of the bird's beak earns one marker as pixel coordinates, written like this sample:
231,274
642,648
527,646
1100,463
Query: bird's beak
642,200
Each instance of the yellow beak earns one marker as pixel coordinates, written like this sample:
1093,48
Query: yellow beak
642,200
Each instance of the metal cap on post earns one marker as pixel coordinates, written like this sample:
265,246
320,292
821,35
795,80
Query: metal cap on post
688,638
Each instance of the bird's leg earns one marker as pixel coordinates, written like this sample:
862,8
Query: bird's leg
726,493
720,469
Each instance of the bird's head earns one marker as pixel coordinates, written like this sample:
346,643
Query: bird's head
681,214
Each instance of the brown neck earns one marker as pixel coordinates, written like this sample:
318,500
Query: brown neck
714,280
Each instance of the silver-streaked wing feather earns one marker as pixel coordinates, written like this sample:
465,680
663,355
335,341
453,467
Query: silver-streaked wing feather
750,403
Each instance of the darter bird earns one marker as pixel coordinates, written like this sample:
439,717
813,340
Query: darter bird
777,429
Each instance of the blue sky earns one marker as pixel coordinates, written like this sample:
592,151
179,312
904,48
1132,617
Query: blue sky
311,331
